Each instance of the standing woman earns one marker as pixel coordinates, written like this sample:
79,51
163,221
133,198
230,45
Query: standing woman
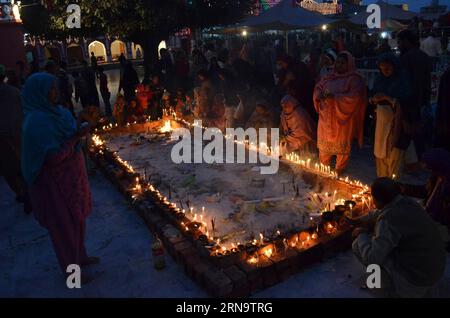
390,95
340,99
54,168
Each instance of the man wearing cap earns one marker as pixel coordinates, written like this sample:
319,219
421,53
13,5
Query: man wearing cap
10,135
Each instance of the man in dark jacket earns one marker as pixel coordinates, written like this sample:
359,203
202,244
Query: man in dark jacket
406,242
417,65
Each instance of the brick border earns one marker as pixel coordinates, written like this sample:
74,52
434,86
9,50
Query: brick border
227,276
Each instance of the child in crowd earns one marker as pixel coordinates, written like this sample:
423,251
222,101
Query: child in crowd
143,95
131,112
262,117
157,92
166,102
91,115
119,110
216,116
181,103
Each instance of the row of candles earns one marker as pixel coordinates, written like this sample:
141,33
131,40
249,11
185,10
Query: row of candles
305,163
199,220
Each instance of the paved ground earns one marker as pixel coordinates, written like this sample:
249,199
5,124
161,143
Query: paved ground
28,266
117,235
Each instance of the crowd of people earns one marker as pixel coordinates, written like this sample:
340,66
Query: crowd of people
322,106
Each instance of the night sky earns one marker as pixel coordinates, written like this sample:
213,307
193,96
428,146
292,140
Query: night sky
414,5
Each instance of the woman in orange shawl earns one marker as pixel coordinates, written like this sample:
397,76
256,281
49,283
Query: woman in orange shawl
340,99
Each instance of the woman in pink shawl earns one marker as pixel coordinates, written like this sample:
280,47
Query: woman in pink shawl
297,126
340,99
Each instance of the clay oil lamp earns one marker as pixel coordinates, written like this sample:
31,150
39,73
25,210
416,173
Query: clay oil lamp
350,204
180,215
279,242
340,210
327,216
203,239
293,240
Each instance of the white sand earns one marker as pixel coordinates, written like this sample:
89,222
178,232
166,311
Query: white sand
230,194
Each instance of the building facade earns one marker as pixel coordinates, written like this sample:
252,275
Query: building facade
75,50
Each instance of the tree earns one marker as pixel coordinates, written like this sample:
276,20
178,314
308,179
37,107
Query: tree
145,22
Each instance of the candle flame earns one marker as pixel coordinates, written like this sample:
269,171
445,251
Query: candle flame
167,127
268,252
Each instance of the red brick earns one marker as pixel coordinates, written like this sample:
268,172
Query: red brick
168,232
339,242
170,246
254,277
159,226
152,219
190,261
282,266
185,254
200,268
226,260
268,272
241,287
292,257
310,255
178,248
218,284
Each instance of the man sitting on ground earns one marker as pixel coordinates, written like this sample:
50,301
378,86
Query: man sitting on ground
405,242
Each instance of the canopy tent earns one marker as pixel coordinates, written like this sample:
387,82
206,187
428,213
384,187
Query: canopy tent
388,12
392,25
284,16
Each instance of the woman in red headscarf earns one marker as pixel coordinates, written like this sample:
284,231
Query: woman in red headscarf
340,99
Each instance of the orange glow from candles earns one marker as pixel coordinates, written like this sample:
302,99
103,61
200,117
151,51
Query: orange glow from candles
305,163
268,252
